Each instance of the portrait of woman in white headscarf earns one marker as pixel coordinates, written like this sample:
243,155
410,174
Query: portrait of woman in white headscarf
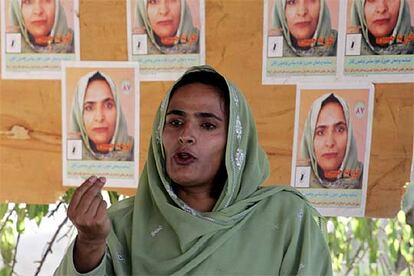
385,26
168,25
98,120
306,27
42,25
329,145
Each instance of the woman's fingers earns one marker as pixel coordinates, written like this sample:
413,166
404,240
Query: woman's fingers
101,211
77,196
93,207
87,210
88,196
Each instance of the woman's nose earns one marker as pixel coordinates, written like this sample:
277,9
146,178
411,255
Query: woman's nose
186,140
330,140
381,6
37,7
302,8
187,135
164,7
99,116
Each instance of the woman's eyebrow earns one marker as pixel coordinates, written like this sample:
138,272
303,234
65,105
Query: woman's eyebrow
103,100
208,115
176,112
340,123
336,124
109,99
198,114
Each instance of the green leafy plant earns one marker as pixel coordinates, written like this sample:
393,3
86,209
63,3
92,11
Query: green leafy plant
366,246
13,218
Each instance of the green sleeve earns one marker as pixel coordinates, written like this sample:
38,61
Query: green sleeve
67,266
308,252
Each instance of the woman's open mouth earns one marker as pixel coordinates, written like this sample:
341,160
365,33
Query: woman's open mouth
183,158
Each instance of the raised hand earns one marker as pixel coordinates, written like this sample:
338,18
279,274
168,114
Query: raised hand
87,211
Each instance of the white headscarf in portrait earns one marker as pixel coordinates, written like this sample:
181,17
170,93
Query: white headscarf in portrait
60,39
185,29
120,136
402,28
323,31
350,162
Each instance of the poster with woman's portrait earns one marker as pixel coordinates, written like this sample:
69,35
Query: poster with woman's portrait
380,40
332,145
100,122
300,40
166,37
36,36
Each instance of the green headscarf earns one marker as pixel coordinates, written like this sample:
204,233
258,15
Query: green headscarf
323,32
60,37
121,131
350,162
402,28
186,30
250,231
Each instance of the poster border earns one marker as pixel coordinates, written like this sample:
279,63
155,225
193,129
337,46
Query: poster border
166,76
36,75
102,64
270,80
335,211
366,77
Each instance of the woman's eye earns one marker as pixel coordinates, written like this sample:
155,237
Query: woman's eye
87,108
290,2
319,132
109,105
208,126
26,2
340,129
175,123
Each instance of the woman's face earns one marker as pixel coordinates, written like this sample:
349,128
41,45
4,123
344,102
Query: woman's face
381,16
196,116
164,16
330,138
302,17
99,112
38,16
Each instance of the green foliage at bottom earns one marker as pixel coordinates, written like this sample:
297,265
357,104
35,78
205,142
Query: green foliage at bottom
365,246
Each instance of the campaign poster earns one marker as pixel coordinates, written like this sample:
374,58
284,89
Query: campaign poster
300,41
331,146
100,122
380,40
166,37
37,36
